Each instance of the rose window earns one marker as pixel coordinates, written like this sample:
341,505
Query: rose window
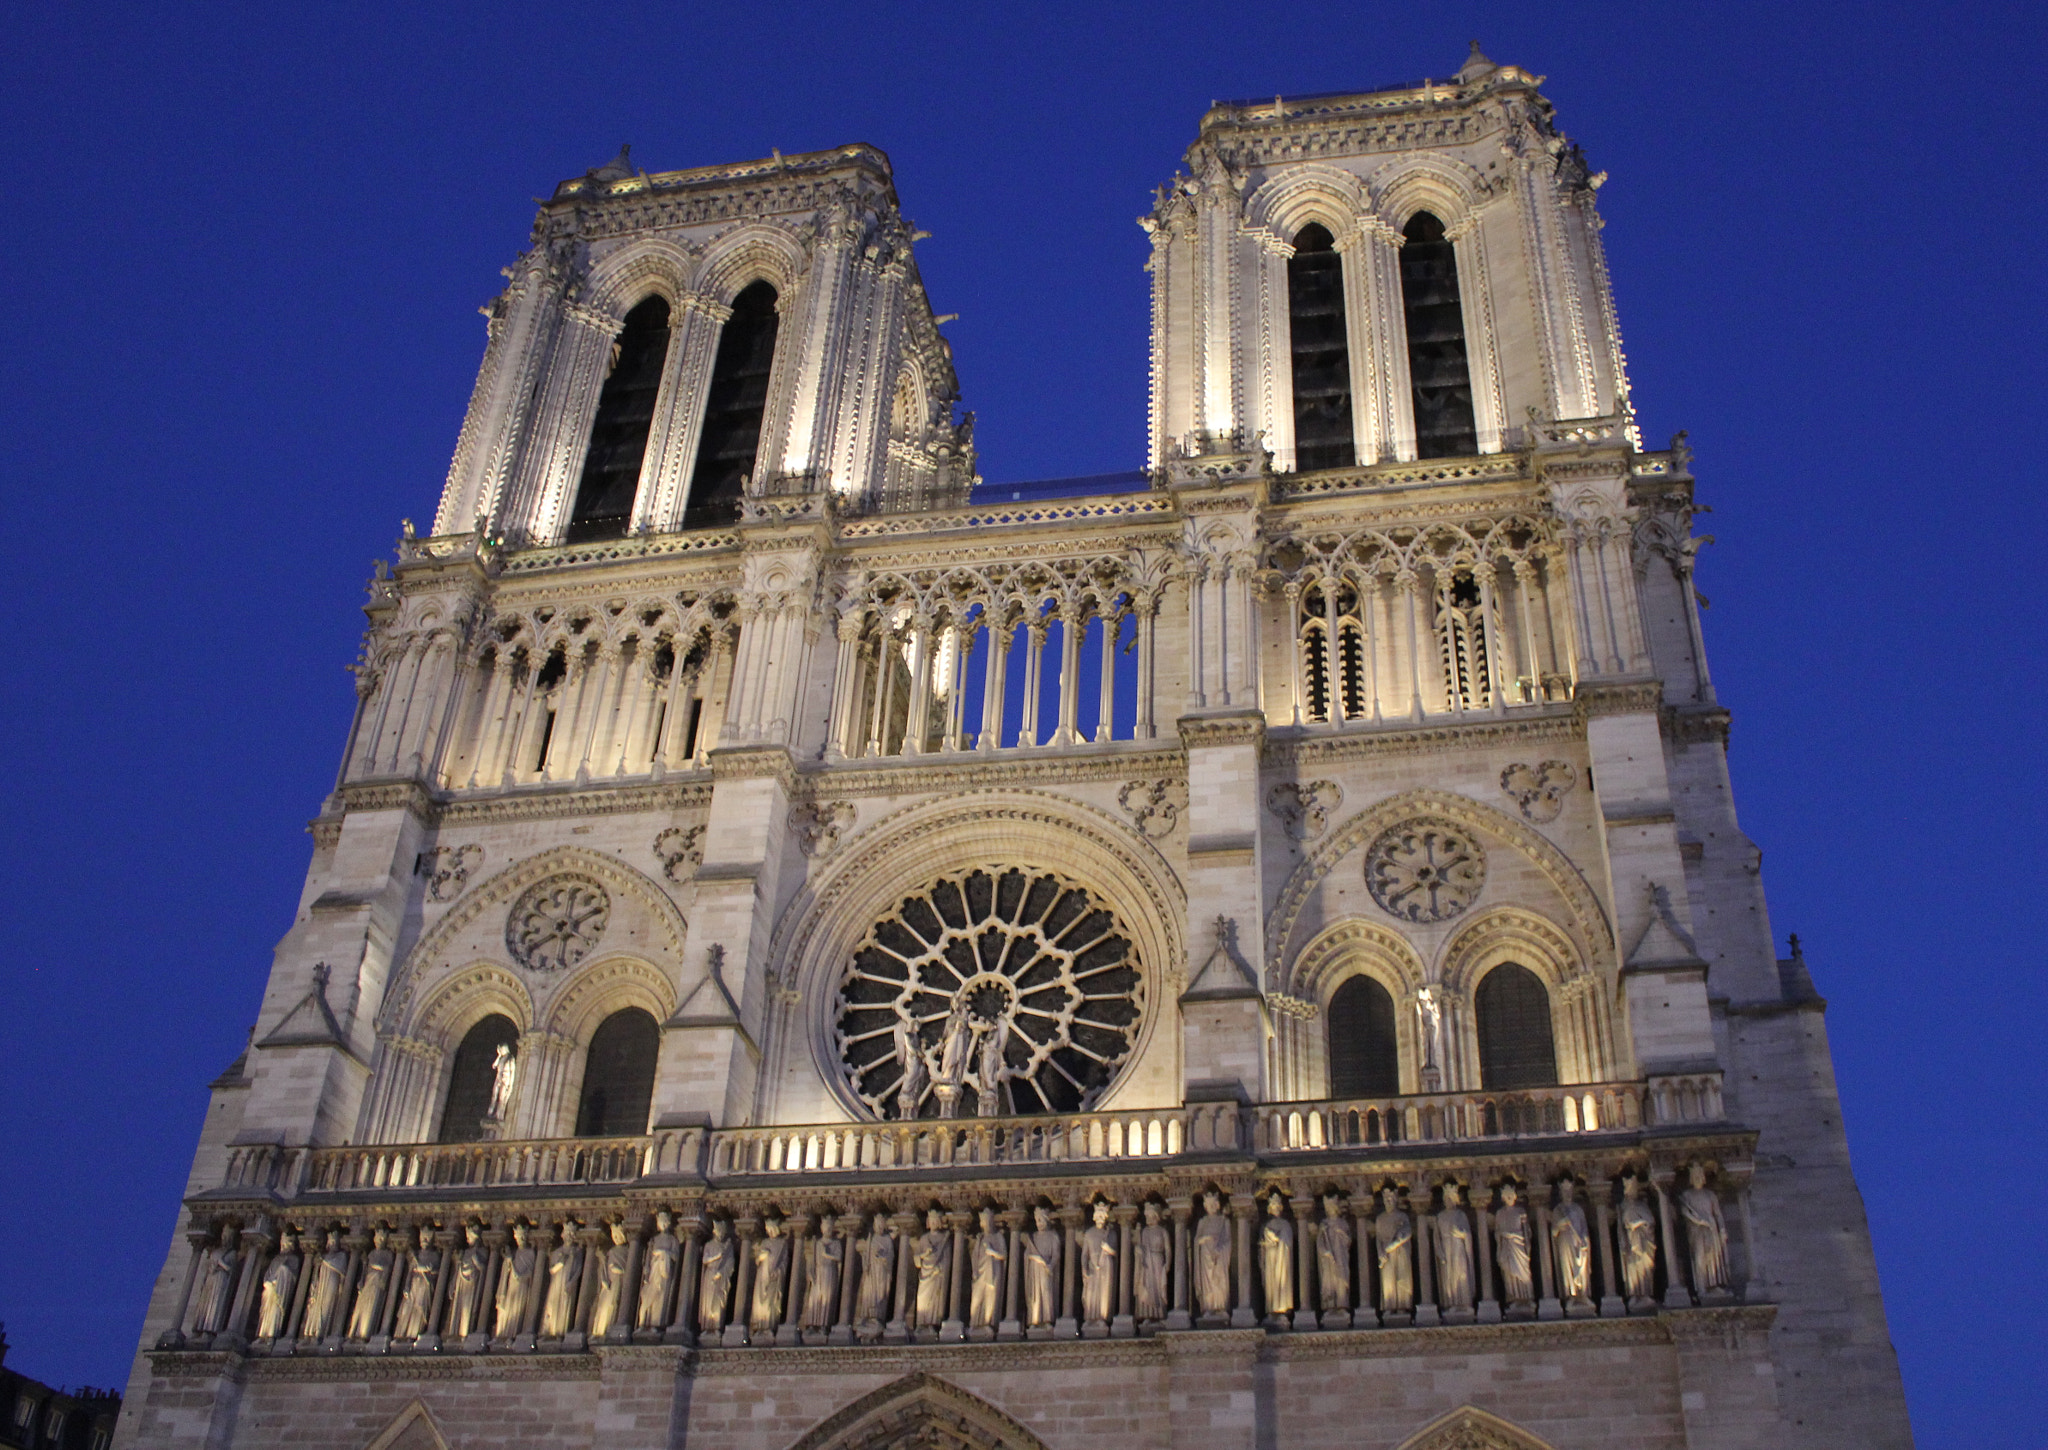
989,993
1425,871
555,923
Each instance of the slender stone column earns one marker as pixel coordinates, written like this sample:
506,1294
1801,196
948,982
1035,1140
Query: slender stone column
897,1330
1612,1305
1112,626
1675,1295
1482,1243
1547,1306
258,1246
992,688
1125,1324
1015,1222
1426,1312
1244,1210
851,1228
844,671
798,1227
736,1324
919,708
1306,1313
358,1240
1364,1316
1034,674
449,1241
1182,1210
594,1239
954,1329
174,1337
1068,1325
1072,623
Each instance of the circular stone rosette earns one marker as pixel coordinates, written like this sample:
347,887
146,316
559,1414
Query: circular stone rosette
1425,871
998,992
556,922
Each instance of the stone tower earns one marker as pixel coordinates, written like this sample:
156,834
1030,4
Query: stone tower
803,955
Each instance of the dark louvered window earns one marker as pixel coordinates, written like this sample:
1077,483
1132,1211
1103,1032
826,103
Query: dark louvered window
1322,360
618,435
472,1080
1364,1059
1437,368
618,1076
732,414
1516,1049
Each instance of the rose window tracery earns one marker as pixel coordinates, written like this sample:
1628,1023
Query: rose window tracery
989,993
1425,871
556,922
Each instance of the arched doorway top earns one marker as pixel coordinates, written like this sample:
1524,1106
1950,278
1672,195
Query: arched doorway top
923,1411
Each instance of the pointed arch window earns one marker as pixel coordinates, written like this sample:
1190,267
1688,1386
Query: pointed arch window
618,435
731,441
1516,1046
1321,353
618,1076
1364,1056
472,1078
1438,372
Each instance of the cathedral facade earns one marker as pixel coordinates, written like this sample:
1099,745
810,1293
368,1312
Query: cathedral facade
804,954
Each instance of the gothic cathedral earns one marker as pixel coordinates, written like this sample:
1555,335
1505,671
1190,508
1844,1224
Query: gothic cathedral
806,953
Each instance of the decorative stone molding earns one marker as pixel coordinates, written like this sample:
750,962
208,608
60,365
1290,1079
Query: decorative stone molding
1318,750
1539,790
1425,870
447,869
1305,807
680,851
555,923
920,1409
1153,805
818,825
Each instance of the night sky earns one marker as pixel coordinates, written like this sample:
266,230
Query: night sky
238,329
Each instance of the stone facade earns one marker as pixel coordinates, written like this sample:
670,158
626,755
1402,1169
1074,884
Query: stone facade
983,877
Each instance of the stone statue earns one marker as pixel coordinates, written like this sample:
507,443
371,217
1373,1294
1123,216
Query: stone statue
279,1280
1041,1271
824,1259
1212,1257
1706,1234
988,1082
504,1082
657,1273
1394,1233
714,1278
465,1301
1333,1255
1511,1248
910,1086
1453,1253
1638,1242
1097,1249
611,1283
518,1279
558,1311
1572,1245
1276,1257
988,1258
771,1262
323,1295
365,1320
217,1283
954,1044
932,1257
877,1272
416,1303
1154,1256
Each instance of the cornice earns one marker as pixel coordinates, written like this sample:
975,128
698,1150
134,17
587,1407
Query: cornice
1686,725
442,812
1636,697
968,770
1317,745
1228,727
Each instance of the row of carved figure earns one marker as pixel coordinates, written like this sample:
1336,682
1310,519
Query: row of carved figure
1416,1256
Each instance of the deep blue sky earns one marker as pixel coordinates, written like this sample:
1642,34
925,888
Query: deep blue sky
238,330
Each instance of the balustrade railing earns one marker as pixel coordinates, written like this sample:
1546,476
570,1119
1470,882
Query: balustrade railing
1446,1117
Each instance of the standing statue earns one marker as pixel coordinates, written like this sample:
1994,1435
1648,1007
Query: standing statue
558,1311
1453,1253
877,1274
714,1278
954,1044
365,1320
504,1083
416,1303
910,1086
658,1274
1333,1255
1154,1255
1511,1248
988,1082
279,1280
1212,1257
611,1283
1572,1245
771,1261
824,1259
323,1295
1276,1257
465,1301
1394,1233
988,1257
217,1283
518,1279
1097,1250
1041,1271
1706,1234
1638,1243
932,1257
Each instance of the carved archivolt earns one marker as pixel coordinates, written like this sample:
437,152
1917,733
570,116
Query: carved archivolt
1510,933
1349,946
605,987
924,1412
1468,1428
468,997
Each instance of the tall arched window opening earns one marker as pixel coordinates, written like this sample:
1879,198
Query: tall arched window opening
474,1077
1437,370
1332,612
618,1076
1516,1048
618,435
1322,360
1365,1059
731,440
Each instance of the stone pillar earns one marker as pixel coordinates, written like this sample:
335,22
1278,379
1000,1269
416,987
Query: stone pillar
1365,1315
1612,1306
1244,1210
1675,1294
736,1323
1182,1209
174,1337
1482,1247
789,1332
1427,1314
954,1329
1547,1305
897,1331
1305,1311
1068,1325
1124,1325
851,1229
1016,1223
